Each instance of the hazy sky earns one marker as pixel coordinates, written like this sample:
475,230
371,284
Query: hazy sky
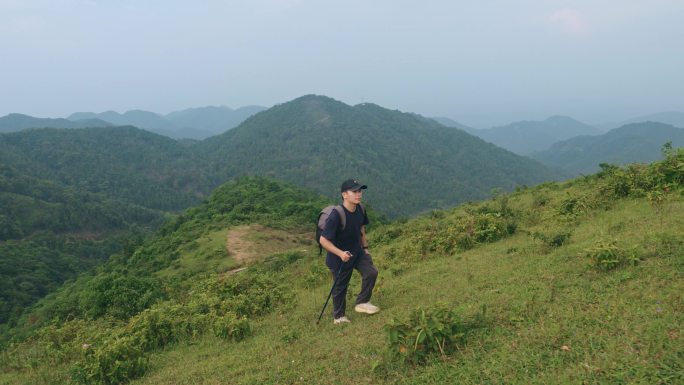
479,62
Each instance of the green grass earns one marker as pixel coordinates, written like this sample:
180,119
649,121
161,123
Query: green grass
550,318
541,313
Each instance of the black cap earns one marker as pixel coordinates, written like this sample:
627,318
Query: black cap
353,185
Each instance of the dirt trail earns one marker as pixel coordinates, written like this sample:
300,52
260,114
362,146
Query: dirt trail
238,246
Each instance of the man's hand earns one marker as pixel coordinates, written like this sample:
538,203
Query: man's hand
345,256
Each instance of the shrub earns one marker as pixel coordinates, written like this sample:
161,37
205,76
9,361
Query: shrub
248,294
118,295
539,200
117,361
232,327
573,206
608,256
427,332
156,327
553,240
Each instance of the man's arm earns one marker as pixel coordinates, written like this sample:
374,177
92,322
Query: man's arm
364,241
344,255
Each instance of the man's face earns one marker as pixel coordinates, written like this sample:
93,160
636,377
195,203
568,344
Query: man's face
353,196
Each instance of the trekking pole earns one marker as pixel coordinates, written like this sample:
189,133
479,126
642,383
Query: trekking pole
331,290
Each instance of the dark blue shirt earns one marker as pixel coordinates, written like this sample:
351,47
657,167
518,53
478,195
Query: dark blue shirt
348,239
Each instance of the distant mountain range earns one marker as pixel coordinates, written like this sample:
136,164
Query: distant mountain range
192,123
526,137
638,142
215,120
17,122
674,118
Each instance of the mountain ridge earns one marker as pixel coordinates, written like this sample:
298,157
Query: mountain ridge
631,143
16,122
525,137
362,142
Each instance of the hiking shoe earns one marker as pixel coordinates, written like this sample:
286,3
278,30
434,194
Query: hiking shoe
367,308
341,320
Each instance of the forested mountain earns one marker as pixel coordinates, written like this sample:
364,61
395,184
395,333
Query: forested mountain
50,233
125,163
638,142
18,122
410,163
526,137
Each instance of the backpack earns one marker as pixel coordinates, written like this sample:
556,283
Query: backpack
323,217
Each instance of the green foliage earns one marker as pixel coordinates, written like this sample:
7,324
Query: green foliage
426,332
245,294
608,256
222,307
553,240
126,284
540,200
233,328
118,295
125,163
450,233
32,268
118,361
53,232
651,180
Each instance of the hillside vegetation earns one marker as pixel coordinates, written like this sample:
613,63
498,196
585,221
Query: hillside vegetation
315,142
50,233
579,282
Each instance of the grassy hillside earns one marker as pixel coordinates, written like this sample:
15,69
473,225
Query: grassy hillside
637,142
579,282
414,163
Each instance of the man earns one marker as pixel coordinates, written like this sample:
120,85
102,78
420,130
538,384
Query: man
348,248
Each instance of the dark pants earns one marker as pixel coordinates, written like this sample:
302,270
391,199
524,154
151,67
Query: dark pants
368,275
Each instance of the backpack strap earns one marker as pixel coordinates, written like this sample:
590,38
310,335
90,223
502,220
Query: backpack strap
343,216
